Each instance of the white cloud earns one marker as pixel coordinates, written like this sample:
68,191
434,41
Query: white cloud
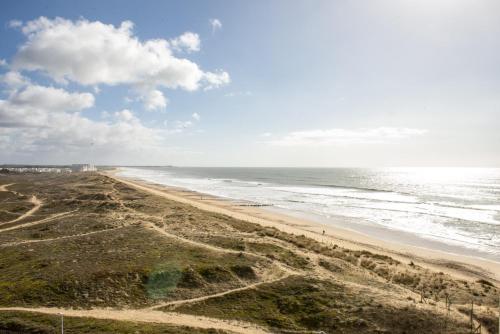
125,115
181,125
52,99
154,100
188,41
216,24
240,93
14,80
41,119
34,106
3,62
15,23
177,127
216,79
346,137
93,53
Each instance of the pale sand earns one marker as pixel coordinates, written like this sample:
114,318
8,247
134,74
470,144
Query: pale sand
147,315
459,266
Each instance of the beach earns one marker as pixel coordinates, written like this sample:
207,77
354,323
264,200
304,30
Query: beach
460,266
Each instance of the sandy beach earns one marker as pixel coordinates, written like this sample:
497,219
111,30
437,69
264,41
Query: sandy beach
457,265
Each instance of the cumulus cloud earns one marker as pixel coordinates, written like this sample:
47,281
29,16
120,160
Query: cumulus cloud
3,62
216,24
93,53
125,115
189,42
346,137
40,119
73,132
14,80
35,106
52,99
154,100
216,79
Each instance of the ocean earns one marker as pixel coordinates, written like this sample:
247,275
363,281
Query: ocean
451,209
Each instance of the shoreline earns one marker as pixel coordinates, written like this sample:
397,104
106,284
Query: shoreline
461,266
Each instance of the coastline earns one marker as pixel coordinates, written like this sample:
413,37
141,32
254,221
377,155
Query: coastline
460,266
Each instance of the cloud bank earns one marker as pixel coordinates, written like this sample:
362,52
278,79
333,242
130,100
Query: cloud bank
94,53
346,137
38,119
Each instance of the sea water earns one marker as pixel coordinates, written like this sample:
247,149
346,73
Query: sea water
451,209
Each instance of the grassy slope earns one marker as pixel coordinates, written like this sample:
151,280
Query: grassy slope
299,303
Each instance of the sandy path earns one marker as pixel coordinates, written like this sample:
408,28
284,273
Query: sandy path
35,201
3,187
192,242
215,248
37,204
55,216
58,238
151,316
177,303
284,271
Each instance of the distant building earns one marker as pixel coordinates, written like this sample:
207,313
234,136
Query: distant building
4,170
83,168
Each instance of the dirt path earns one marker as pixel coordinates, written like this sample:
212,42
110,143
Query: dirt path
3,187
37,205
58,238
55,216
203,245
33,200
192,242
176,303
152,316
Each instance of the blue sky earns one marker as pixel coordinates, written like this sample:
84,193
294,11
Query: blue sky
309,83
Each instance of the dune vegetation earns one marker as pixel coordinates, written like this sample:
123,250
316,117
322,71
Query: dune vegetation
99,248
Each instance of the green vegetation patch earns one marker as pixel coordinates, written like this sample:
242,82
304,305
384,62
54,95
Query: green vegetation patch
130,266
163,280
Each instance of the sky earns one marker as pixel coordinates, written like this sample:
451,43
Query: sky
251,83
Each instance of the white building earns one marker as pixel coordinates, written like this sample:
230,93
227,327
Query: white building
37,169
83,168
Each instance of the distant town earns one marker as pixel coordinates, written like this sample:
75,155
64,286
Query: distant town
74,168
